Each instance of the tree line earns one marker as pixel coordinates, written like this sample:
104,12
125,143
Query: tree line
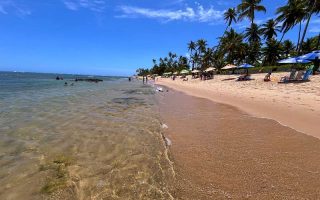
257,44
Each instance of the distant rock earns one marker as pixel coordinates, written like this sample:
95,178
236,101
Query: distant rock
95,80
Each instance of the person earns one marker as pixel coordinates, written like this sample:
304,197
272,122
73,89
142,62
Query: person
267,77
65,84
129,79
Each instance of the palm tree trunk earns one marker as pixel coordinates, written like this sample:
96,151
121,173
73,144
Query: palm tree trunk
192,59
304,33
299,36
306,27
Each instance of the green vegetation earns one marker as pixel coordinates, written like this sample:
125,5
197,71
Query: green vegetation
257,45
58,174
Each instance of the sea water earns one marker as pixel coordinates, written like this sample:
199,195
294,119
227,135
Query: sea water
86,141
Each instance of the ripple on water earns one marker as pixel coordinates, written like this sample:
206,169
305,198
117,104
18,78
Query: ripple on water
92,141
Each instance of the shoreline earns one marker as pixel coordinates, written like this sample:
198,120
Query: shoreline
287,105
220,152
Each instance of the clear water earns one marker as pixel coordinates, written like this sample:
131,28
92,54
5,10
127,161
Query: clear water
87,141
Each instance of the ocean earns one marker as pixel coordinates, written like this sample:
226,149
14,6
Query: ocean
86,141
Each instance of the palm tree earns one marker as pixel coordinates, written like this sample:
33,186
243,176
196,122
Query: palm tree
270,29
287,47
308,46
232,46
202,45
313,7
154,61
247,9
207,58
252,34
286,17
192,48
271,52
293,13
196,59
253,53
182,63
230,16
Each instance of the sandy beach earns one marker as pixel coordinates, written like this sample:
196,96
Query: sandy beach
293,105
221,152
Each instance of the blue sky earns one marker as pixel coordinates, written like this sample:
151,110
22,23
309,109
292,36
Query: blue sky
109,37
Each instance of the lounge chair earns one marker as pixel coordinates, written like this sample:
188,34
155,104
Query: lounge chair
307,75
291,77
300,77
245,77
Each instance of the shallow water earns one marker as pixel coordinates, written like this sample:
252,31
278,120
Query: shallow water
87,141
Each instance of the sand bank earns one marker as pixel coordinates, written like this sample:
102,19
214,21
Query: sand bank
293,105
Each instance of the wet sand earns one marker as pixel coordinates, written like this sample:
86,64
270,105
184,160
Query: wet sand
220,152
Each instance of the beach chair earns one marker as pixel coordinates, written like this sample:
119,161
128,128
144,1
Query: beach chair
291,77
301,77
307,75
245,77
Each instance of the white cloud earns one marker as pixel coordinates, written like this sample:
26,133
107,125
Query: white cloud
315,21
315,29
93,5
10,6
198,14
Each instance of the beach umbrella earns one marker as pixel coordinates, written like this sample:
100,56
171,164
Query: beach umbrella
245,66
167,73
293,60
229,66
184,71
195,71
311,56
210,69
175,73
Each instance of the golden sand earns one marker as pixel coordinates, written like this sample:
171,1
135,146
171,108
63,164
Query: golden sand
221,152
293,105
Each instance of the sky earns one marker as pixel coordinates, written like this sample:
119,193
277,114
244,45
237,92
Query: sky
111,37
